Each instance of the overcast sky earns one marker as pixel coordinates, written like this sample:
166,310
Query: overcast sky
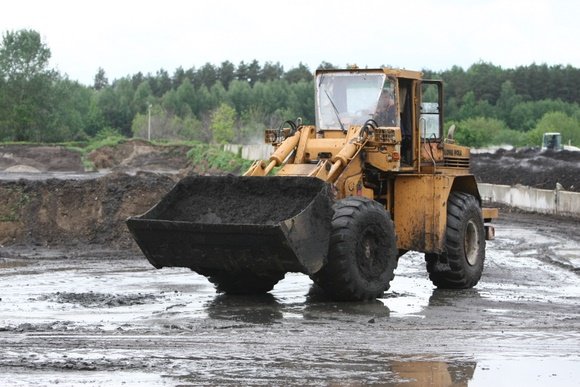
125,37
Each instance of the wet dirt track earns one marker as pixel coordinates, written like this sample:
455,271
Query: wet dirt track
106,317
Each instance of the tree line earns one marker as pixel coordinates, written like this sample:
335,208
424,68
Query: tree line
495,106
234,103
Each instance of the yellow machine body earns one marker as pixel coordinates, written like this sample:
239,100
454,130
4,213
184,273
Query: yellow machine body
375,159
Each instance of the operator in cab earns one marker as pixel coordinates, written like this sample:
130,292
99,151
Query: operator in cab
386,114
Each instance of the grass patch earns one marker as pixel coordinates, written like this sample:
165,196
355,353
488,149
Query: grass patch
210,158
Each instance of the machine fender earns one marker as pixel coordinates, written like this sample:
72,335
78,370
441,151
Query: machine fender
466,184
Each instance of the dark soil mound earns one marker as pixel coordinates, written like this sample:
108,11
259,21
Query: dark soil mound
529,167
140,155
73,212
238,200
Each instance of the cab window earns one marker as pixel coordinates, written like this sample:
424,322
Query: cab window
431,119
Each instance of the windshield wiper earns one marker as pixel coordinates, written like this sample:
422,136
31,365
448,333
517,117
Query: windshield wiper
335,111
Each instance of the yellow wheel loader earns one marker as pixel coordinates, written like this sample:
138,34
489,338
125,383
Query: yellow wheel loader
340,201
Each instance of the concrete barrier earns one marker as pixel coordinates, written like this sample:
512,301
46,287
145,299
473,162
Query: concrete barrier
251,152
526,198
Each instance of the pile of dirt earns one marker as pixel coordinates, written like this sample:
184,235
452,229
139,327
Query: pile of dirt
140,155
234,200
32,158
130,156
75,212
529,167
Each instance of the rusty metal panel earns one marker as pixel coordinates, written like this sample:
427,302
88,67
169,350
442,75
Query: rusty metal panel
420,211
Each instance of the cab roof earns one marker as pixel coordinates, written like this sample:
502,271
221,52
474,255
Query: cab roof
398,73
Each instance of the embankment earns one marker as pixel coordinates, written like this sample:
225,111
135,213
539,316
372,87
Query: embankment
75,212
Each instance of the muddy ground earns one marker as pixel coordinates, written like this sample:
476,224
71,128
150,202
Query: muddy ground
102,316
142,156
80,305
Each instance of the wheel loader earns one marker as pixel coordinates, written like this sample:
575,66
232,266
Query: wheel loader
339,201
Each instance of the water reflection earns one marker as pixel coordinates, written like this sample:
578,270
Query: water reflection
394,371
267,309
318,305
434,373
451,297
258,309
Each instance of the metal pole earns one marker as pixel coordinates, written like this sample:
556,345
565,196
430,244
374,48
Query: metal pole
149,124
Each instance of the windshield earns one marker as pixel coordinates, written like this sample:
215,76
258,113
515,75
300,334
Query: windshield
345,99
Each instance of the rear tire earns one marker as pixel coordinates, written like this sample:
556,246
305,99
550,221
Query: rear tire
362,254
461,264
244,283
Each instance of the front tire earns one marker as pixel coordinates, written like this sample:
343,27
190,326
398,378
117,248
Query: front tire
362,253
461,264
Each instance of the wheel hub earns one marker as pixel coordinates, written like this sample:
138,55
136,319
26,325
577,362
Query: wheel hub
367,249
471,243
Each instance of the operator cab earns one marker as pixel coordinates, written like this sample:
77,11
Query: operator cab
344,99
552,141
392,98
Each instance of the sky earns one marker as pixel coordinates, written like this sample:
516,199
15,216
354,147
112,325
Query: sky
125,37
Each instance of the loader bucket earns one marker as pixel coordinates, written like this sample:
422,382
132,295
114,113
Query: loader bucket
239,224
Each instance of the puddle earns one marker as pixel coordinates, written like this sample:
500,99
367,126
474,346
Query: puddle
529,372
421,373
71,378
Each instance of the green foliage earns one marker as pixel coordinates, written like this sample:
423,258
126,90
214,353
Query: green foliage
23,55
211,158
105,137
298,74
25,104
508,136
100,80
227,103
240,96
223,120
471,107
143,97
481,131
560,122
507,101
525,115
226,73
166,125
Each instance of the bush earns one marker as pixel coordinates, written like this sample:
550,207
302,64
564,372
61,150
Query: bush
212,158
105,137
480,132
